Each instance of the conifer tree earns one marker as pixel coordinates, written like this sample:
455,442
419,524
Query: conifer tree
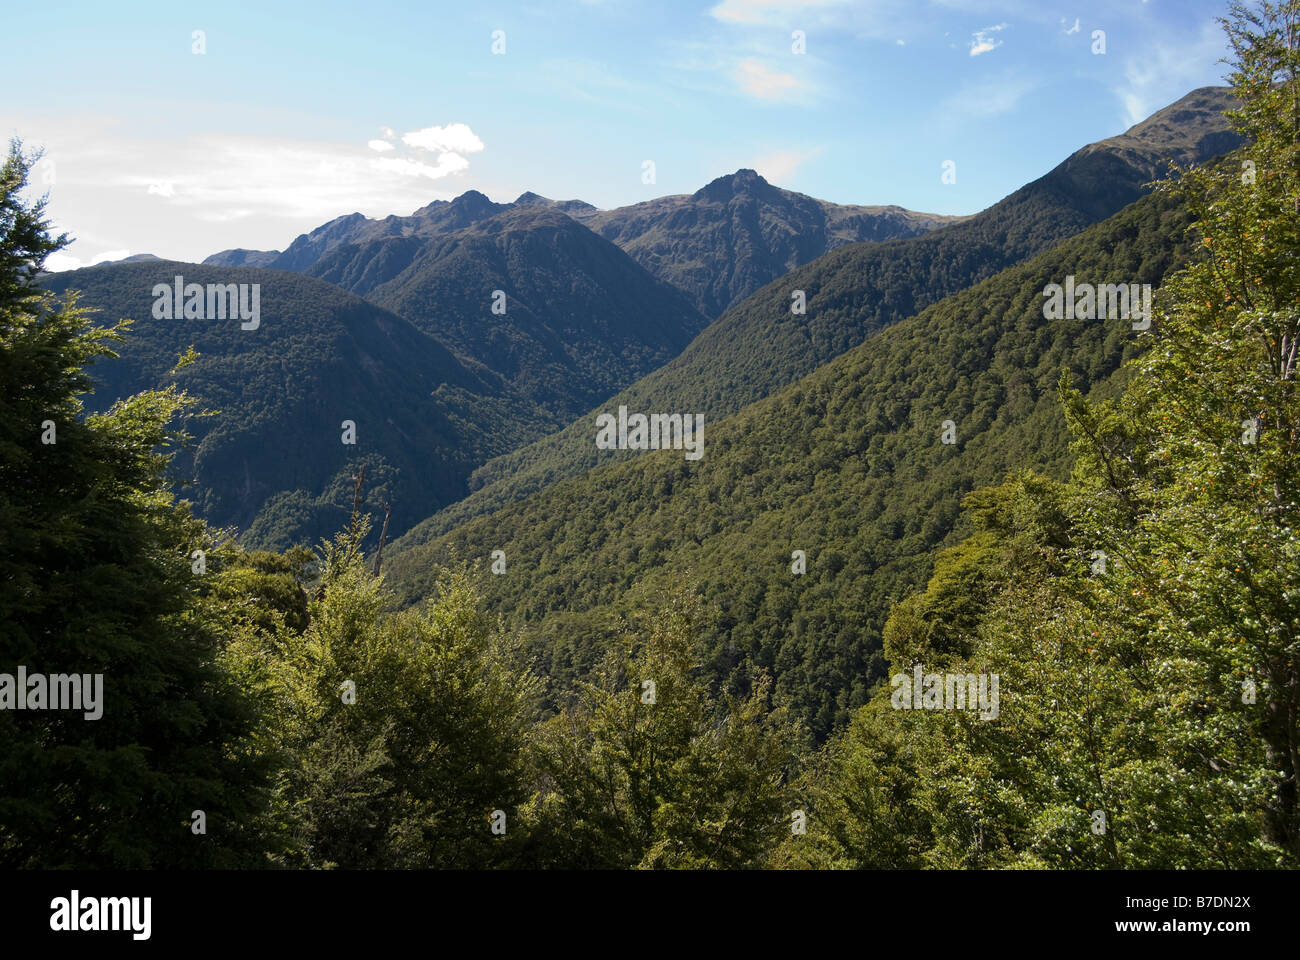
648,768
96,578
401,733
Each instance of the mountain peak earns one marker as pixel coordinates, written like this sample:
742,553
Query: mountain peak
530,199
472,200
134,258
470,207
743,181
1190,129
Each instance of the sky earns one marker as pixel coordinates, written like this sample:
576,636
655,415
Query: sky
183,129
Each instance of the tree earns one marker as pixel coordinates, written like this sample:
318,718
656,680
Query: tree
96,580
1146,632
401,733
647,769
1193,480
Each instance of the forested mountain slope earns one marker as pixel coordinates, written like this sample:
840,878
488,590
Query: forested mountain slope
847,464
853,292
739,232
273,457
565,317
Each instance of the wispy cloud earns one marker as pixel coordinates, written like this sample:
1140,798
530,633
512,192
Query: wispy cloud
1166,70
882,20
779,165
986,98
591,81
982,41
187,197
218,178
768,12
446,164
756,79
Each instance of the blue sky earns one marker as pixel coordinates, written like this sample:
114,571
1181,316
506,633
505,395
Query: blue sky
299,112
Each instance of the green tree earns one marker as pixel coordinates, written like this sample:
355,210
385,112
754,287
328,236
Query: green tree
647,769
1192,480
402,733
96,578
1143,618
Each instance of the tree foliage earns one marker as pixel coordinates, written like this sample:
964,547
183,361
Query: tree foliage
1146,635
95,579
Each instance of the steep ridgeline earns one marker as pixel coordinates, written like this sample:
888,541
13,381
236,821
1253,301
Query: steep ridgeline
717,245
438,217
274,458
242,258
848,464
134,258
759,346
564,316
739,232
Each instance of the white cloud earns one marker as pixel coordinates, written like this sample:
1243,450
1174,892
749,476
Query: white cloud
185,197
450,143
1165,71
1073,29
758,81
447,163
987,98
766,11
60,260
453,138
222,178
779,165
233,178
388,133
983,40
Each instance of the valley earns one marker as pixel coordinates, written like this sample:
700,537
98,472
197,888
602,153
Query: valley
399,548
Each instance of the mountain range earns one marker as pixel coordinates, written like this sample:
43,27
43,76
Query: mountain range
847,465
465,335
565,316
853,292
716,245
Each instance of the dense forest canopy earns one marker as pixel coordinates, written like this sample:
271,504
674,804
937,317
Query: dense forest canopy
853,292
987,590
